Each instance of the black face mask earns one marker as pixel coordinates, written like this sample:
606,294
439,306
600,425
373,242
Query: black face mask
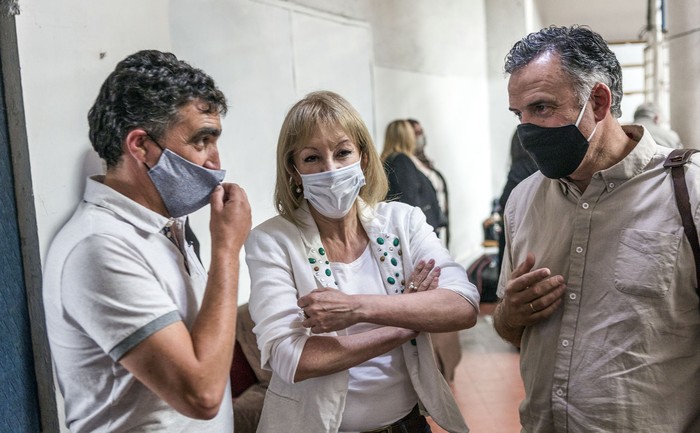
557,151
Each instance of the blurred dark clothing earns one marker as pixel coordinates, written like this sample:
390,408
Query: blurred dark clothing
521,167
191,238
440,186
409,185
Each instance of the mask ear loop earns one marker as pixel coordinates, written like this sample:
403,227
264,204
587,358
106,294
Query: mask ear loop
580,116
591,136
150,137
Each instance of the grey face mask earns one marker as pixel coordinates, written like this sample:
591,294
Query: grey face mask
184,187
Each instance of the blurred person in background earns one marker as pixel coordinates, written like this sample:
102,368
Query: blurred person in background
427,167
407,182
649,116
413,181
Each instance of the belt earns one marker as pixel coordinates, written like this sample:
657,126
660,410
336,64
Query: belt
414,422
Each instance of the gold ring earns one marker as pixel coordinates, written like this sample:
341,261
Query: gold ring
532,308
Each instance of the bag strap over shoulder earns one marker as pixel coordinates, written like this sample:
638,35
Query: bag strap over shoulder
676,160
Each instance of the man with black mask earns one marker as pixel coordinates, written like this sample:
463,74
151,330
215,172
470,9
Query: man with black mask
141,334
598,285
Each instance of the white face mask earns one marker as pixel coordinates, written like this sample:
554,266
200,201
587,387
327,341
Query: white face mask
420,143
332,193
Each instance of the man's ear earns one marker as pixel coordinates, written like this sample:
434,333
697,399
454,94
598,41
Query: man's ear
135,144
602,100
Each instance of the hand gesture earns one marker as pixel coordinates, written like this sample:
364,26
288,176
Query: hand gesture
230,216
327,310
531,296
425,276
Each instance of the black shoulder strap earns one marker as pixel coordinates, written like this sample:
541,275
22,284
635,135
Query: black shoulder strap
676,160
191,238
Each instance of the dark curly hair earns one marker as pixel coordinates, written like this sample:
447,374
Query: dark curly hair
584,54
147,90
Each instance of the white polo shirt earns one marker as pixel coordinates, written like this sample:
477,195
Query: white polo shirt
112,279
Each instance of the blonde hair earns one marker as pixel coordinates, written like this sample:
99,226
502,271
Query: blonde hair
324,108
399,137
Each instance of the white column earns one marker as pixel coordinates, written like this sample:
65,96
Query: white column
684,66
506,23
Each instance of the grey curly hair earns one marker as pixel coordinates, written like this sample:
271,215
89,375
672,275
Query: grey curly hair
584,54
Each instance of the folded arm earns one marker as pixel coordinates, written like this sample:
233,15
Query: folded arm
323,355
439,310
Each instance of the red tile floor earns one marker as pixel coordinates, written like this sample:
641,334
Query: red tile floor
487,386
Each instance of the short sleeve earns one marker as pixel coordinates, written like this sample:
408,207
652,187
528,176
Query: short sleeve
109,291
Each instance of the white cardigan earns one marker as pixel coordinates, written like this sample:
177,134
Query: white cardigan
287,262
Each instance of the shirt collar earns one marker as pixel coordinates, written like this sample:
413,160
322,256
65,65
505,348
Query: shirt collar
99,194
631,165
638,158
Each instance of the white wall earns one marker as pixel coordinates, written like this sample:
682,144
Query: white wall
684,39
457,141
265,56
60,46
394,58
66,50
430,62
506,23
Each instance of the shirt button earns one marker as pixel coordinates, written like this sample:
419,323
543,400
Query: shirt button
579,250
559,392
611,185
572,296
565,343
585,205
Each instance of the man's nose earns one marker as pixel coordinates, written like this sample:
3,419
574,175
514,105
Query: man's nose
213,161
524,118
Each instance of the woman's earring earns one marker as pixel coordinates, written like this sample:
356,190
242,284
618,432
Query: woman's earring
298,188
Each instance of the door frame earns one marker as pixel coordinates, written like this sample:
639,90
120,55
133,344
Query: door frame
26,220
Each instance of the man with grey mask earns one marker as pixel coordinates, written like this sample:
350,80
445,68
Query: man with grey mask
598,285
141,335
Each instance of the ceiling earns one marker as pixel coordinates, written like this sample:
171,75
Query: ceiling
615,20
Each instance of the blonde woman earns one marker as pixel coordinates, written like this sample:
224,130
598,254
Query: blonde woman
346,288
407,182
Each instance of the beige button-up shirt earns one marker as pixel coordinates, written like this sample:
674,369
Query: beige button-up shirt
622,353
